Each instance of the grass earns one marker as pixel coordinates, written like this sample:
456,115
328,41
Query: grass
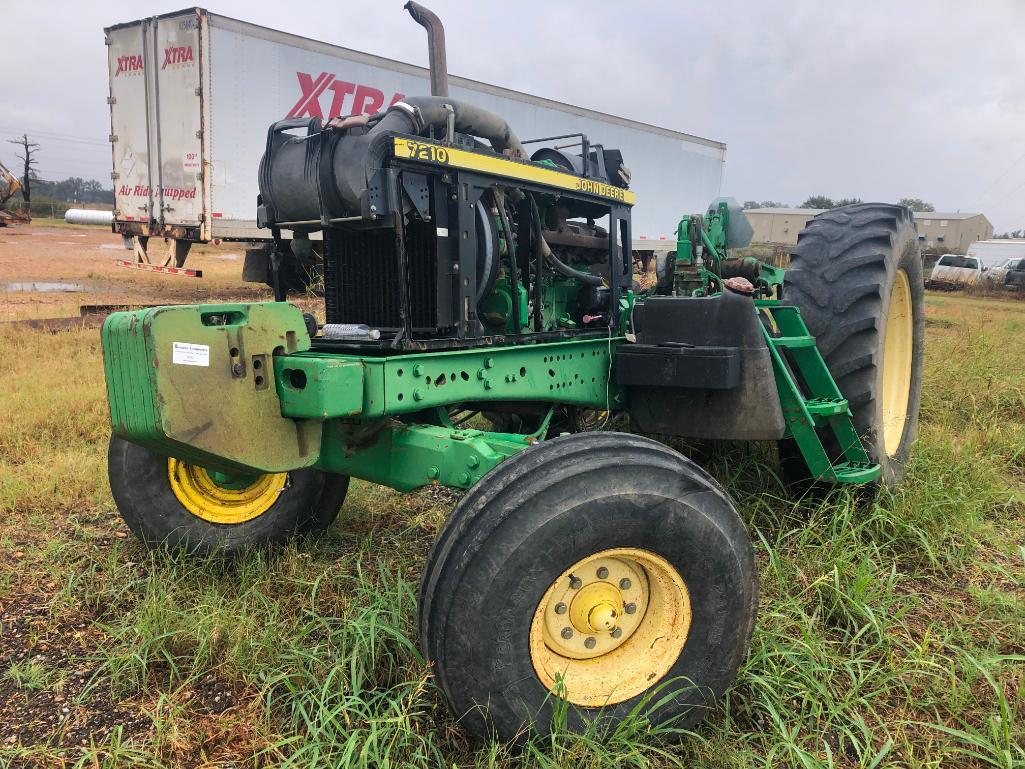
890,634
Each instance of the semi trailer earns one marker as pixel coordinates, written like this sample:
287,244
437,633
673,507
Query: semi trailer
191,91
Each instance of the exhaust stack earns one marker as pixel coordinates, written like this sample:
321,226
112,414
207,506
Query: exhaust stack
429,20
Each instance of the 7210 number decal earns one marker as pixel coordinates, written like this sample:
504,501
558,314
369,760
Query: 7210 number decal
432,153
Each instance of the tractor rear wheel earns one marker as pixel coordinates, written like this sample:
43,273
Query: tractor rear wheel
596,567
856,275
167,502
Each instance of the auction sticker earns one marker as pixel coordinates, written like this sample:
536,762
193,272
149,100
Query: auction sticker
188,354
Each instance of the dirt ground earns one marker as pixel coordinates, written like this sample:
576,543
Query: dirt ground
83,260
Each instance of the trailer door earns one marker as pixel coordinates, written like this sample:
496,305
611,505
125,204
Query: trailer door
178,119
129,124
156,122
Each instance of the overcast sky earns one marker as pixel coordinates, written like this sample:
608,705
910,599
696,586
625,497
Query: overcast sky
877,99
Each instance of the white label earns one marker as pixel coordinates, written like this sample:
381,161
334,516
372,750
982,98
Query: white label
442,232
188,354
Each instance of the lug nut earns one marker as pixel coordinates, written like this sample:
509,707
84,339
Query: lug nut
624,584
560,608
617,632
630,608
575,583
567,633
589,642
603,573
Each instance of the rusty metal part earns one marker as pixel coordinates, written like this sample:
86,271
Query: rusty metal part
351,121
739,285
436,46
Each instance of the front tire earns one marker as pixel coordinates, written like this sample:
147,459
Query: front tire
597,567
170,503
856,275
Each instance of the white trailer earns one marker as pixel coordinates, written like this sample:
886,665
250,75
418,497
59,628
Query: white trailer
192,94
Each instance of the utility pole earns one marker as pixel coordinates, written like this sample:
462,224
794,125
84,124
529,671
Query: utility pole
29,160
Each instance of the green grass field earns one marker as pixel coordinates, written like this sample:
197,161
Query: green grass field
891,634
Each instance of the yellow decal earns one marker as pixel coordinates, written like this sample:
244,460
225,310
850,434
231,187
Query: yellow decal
511,169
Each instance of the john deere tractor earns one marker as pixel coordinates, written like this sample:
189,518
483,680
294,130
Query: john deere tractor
482,327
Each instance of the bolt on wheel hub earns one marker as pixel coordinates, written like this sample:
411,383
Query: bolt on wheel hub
610,626
592,608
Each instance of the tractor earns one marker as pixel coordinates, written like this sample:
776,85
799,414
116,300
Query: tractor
483,328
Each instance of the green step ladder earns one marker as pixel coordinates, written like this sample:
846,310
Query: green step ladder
811,400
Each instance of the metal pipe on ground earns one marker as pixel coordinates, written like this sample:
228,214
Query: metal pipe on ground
87,216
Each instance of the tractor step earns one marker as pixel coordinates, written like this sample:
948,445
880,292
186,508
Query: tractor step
793,342
811,401
826,407
855,472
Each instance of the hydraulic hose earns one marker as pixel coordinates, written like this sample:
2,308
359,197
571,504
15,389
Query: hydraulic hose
561,267
514,268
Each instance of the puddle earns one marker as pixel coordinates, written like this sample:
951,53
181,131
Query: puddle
113,247
45,288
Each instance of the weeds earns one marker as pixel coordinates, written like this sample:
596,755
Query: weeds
890,634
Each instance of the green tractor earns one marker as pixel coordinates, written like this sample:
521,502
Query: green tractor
482,327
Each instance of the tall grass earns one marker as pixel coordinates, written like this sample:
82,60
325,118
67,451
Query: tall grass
891,633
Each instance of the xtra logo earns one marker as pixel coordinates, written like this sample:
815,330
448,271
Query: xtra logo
366,100
130,63
181,54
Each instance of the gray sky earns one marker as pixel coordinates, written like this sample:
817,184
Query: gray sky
877,99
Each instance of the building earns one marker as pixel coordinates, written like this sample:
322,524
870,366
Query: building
992,253
939,231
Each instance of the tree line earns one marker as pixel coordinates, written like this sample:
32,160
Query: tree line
824,201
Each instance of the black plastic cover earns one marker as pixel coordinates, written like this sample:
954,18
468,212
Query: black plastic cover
678,365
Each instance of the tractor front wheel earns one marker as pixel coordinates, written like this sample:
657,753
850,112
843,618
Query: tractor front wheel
597,568
167,502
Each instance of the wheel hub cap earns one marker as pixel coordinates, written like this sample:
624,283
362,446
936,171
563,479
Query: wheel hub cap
223,498
898,354
610,626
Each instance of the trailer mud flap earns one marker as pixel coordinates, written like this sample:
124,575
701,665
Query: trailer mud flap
700,369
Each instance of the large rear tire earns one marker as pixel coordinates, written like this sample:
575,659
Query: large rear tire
173,504
597,567
856,275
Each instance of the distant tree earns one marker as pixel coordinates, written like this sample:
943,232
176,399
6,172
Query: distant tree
818,201
764,204
28,161
847,202
1011,234
917,204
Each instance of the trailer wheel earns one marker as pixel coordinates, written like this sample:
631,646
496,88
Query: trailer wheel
597,567
856,276
167,502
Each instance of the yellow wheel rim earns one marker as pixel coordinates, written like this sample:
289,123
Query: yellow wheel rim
897,357
610,627
221,499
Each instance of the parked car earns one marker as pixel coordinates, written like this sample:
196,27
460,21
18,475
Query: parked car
956,271
1010,274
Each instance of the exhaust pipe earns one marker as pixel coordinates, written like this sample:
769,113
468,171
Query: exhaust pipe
435,43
